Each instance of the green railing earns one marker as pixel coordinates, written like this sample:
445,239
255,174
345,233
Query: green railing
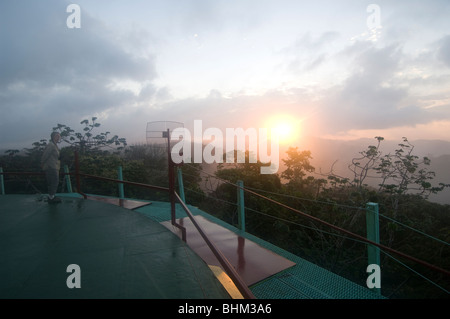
372,216
174,197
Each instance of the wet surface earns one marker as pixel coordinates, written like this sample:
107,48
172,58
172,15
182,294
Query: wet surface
125,203
120,253
253,262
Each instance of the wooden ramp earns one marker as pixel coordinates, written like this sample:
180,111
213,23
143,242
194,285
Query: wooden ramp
253,262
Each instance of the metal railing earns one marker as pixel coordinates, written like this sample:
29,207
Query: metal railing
174,197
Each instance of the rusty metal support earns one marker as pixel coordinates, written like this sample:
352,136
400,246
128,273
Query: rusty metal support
229,269
172,198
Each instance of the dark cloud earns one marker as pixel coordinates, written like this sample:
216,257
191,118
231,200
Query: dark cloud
40,47
58,74
52,74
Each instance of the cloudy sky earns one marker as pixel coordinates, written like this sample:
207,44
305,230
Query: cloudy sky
335,69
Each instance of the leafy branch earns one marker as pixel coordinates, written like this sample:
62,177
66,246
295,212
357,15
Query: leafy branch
88,141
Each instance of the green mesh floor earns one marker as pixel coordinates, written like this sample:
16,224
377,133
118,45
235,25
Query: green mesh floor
121,253
305,280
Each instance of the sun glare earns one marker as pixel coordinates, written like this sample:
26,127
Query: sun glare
285,128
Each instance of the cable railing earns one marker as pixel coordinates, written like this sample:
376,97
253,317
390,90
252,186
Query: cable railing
175,198
229,269
343,237
388,251
351,207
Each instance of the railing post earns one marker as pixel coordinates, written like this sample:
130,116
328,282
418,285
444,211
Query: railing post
77,175
67,178
171,178
2,181
172,193
373,234
120,178
180,184
77,172
241,205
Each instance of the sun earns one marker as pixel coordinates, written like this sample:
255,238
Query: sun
284,127
283,130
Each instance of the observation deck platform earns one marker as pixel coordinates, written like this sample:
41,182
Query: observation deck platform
292,278
129,249
120,252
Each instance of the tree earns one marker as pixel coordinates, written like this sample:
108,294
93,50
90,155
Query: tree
361,166
297,165
297,169
399,173
86,140
407,172
249,173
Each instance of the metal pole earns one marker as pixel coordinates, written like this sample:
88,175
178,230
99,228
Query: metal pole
2,182
77,172
373,234
172,197
241,206
120,178
77,175
67,178
171,179
180,184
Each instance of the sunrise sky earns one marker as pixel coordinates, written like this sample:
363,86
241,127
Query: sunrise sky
334,69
